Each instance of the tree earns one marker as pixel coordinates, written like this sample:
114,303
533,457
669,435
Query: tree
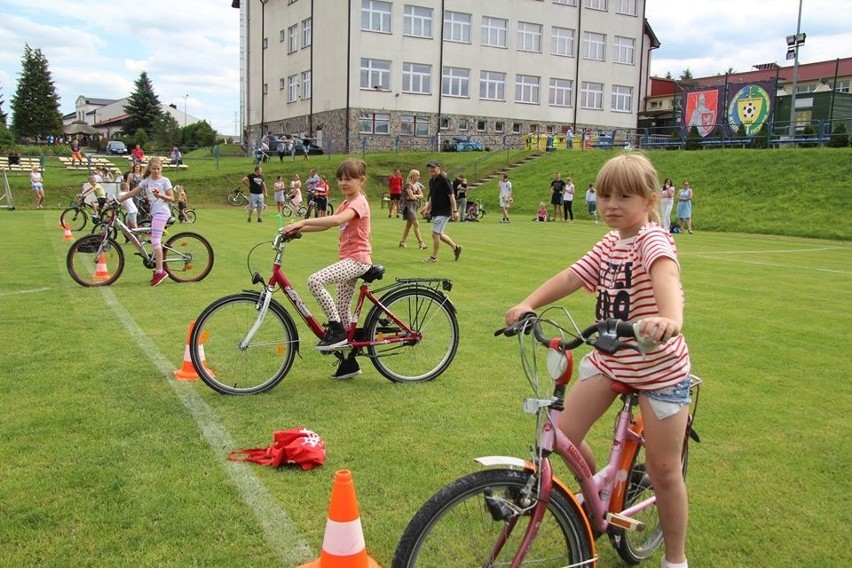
686,74
3,116
166,131
198,135
839,137
669,75
761,139
35,105
143,107
693,140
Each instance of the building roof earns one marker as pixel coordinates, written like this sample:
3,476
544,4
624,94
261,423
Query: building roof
819,71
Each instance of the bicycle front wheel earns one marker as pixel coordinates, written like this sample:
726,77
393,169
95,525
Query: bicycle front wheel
187,257
189,215
235,198
236,349
95,261
286,211
425,311
480,520
74,218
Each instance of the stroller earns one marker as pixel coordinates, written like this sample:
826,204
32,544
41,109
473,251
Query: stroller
474,212
260,156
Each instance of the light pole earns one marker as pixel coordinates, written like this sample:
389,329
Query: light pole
262,64
794,42
184,110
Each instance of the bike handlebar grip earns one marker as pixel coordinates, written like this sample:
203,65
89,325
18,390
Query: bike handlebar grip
626,329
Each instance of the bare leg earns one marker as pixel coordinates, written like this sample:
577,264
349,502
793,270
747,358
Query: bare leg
584,404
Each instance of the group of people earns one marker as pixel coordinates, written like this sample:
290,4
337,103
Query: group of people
684,197
286,194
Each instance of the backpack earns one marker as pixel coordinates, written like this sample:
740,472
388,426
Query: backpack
674,229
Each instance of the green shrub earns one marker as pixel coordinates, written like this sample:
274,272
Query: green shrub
693,139
761,140
808,132
839,137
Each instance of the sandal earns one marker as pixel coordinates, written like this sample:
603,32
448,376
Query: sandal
421,245
401,243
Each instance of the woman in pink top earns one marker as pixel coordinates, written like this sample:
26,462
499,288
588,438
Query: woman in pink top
353,218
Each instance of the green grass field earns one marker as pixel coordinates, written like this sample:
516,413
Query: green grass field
108,461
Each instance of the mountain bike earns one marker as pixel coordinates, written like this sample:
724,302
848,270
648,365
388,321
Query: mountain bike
245,343
98,259
237,198
76,215
518,513
475,210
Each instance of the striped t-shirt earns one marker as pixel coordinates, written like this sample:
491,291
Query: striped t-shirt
617,271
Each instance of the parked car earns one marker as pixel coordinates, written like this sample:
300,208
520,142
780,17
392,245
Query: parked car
116,147
313,149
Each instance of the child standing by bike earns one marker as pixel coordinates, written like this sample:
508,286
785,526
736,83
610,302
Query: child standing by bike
635,275
182,202
158,190
353,218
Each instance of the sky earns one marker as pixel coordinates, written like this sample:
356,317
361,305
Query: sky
190,48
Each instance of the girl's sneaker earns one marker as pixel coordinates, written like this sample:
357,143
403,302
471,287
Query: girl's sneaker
158,277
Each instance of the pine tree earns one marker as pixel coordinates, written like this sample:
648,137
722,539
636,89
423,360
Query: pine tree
3,115
35,105
143,107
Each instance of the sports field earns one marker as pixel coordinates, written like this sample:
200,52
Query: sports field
108,461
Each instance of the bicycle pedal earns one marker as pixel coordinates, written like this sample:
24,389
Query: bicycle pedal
625,522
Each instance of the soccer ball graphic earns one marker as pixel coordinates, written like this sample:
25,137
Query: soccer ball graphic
749,112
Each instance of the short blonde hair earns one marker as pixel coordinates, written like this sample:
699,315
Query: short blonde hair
630,174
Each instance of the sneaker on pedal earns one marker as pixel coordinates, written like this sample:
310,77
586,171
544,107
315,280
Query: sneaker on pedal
158,278
334,338
347,369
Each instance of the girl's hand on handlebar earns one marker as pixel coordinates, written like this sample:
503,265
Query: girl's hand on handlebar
291,228
514,313
658,329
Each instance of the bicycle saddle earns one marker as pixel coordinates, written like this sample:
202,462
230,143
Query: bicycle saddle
374,273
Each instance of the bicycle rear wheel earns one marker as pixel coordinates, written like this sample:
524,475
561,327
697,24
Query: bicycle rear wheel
423,310
94,261
74,218
189,214
236,198
463,524
223,359
187,257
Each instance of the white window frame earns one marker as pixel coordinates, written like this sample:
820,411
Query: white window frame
627,7
457,26
561,92
455,82
594,46
413,125
416,78
292,88
499,126
565,2
307,32
529,37
624,50
282,36
376,16
527,89
492,86
463,124
562,41
495,32
591,95
622,98
307,84
293,38
417,21
373,123
375,73
596,5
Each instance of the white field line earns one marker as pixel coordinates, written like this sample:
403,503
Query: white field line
279,531
715,255
32,291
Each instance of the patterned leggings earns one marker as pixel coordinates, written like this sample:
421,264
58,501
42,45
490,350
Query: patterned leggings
344,273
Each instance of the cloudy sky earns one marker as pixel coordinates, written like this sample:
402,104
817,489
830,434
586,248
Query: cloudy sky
98,48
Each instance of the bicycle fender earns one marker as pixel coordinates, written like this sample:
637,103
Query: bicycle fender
278,307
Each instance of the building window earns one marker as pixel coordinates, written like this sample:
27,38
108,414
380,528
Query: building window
527,89
462,124
596,4
566,2
282,83
292,88
842,87
306,85
376,16
444,123
457,27
561,93
375,74
624,48
529,37
416,78
282,35
562,42
373,123
492,86
498,126
293,38
622,98
456,82
494,32
265,42
516,128
627,7
417,22
481,126
594,46
307,32
412,125
591,95
265,89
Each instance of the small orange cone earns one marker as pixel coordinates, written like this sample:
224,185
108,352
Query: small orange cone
187,370
67,235
101,270
343,544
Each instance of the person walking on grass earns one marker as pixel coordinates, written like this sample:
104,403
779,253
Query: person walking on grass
441,207
592,202
506,197
37,185
412,193
257,193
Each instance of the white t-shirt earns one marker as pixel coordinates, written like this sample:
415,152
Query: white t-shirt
163,185
128,204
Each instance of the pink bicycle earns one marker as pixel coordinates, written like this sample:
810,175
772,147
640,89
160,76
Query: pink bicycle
518,513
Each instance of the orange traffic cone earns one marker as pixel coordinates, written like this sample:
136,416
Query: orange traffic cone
67,235
187,370
343,544
101,270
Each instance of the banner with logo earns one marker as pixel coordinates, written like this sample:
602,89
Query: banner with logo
703,110
750,105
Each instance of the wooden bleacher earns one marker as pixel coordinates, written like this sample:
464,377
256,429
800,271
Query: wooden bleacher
94,160
166,161
25,164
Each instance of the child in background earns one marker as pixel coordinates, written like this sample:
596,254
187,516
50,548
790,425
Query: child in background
541,216
592,202
354,250
98,191
182,202
321,196
635,275
280,199
296,191
129,205
37,184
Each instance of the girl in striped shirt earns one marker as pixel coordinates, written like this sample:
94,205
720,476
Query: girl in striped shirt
635,275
